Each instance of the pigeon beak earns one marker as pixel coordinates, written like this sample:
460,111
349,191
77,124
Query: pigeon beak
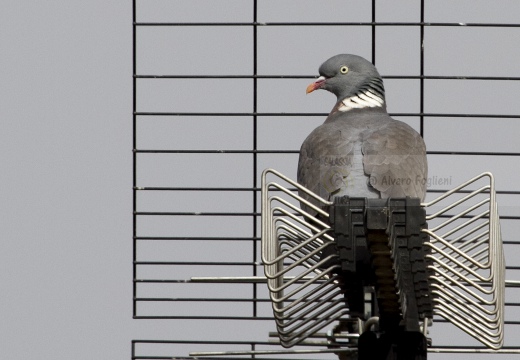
316,85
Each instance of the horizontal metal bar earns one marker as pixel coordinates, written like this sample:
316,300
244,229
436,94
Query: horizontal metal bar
239,279
158,113
244,300
180,188
318,335
214,356
205,342
247,318
484,153
250,279
184,357
370,23
272,352
249,300
198,263
343,350
242,342
500,192
301,77
159,188
475,350
225,76
188,213
228,279
161,281
452,77
502,217
218,238
151,213
438,349
158,151
200,238
252,189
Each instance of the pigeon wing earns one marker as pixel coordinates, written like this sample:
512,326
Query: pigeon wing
394,156
331,164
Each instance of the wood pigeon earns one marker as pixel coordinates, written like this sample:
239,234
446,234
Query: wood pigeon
360,150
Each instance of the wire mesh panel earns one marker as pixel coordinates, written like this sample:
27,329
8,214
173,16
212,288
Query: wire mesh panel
305,287
468,259
219,96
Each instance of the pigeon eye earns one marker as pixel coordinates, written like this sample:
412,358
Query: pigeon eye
343,69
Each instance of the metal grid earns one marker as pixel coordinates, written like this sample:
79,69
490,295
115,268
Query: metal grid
190,225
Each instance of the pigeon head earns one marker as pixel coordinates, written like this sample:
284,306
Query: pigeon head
353,79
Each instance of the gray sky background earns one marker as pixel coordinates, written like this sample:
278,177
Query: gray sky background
66,139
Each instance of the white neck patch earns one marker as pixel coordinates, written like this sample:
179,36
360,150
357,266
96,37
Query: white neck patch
364,99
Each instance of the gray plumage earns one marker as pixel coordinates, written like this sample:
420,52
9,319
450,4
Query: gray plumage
360,150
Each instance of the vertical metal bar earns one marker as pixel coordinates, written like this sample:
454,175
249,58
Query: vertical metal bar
255,156
374,32
421,81
134,156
